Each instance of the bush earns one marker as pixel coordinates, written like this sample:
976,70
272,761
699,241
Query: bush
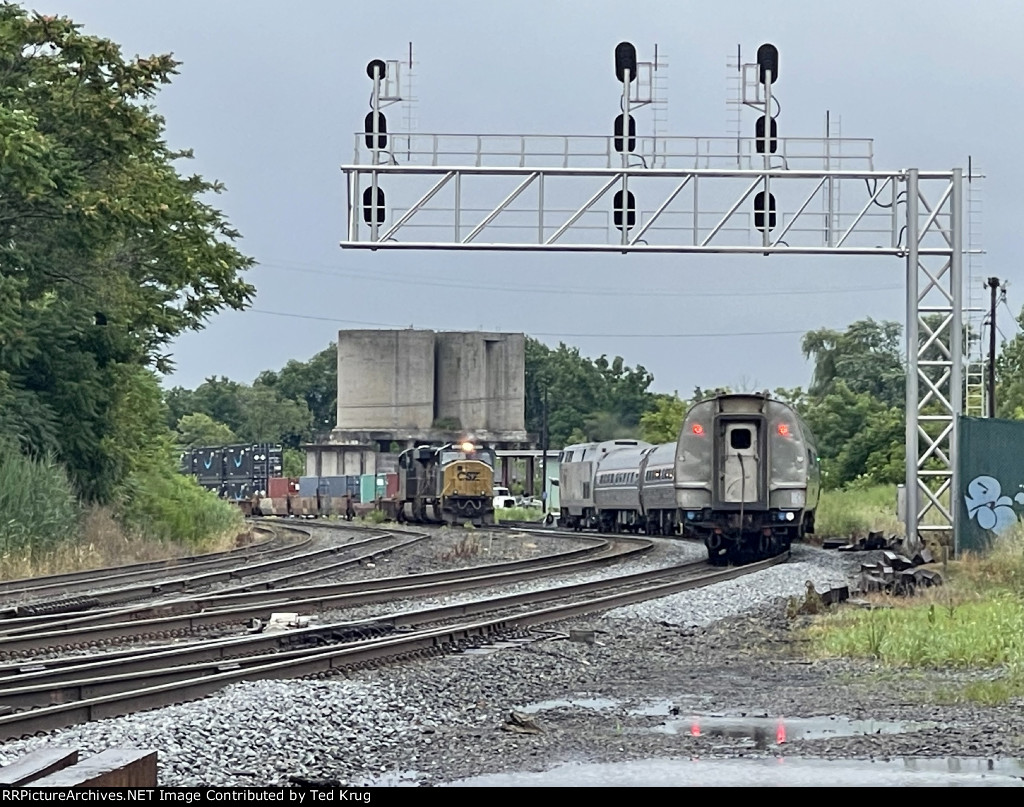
167,506
38,507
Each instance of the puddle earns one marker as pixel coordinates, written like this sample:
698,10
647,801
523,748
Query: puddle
764,731
772,772
582,703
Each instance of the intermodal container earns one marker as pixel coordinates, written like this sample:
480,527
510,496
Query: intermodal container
367,487
308,486
280,486
391,487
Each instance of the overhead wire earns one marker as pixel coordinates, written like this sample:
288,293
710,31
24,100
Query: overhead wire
592,292
694,335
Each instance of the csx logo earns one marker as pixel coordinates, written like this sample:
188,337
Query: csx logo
467,476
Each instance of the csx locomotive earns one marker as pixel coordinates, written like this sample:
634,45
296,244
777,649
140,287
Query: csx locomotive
743,477
448,484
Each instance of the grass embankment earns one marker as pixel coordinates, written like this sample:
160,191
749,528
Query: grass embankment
855,512
975,621
45,530
518,514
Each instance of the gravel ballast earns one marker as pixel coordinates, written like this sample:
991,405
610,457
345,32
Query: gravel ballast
631,695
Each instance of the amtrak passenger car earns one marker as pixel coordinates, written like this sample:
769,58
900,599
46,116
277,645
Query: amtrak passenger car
747,476
577,468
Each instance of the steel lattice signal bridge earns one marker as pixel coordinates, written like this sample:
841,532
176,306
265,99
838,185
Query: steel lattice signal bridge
735,195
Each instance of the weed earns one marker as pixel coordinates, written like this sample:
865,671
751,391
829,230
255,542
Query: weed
466,548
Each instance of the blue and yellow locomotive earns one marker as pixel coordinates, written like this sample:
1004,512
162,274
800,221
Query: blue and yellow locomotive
447,484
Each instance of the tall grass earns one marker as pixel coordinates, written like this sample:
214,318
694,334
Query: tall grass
975,620
857,511
38,508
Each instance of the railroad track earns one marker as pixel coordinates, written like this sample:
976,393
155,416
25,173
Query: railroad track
235,610
24,618
107,687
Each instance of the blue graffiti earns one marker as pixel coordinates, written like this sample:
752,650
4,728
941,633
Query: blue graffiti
985,503
238,461
208,462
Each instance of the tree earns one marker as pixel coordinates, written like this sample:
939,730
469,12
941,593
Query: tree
587,399
314,381
199,429
662,424
268,418
867,357
107,253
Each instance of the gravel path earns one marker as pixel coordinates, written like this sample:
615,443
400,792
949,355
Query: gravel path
657,670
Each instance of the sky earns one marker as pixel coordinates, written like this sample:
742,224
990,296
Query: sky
270,96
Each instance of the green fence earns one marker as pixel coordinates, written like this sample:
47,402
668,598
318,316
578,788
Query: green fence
991,479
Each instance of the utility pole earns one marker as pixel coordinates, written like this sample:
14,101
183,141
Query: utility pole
993,283
544,455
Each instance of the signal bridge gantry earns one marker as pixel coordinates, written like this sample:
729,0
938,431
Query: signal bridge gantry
626,193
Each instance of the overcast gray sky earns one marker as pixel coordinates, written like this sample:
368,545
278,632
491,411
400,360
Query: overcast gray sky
270,93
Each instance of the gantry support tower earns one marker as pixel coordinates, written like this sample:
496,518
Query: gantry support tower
762,195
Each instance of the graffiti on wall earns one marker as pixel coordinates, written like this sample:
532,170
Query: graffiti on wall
987,505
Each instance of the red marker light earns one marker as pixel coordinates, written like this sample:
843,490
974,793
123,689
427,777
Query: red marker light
698,429
783,429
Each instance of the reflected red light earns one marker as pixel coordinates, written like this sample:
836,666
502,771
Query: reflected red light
780,733
698,429
783,429
695,729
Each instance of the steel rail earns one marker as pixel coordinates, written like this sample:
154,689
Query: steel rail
164,586
259,605
326,662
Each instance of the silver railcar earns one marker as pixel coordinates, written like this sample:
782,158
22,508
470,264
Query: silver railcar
577,465
747,476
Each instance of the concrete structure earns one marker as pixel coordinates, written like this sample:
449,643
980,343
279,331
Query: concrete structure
385,380
480,381
403,387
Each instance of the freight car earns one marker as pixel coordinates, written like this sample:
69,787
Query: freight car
743,477
240,473
447,484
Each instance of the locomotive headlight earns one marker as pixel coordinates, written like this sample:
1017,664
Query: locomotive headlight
467,448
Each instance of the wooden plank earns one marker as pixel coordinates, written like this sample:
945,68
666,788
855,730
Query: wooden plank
114,767
36,765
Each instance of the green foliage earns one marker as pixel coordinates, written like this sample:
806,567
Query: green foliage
984,633
867,357
858,511
859,437
38,508
107,253
314,381
256,414
662,424
293,463
199,429
169,506
588,399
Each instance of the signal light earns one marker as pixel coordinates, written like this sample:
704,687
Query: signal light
625,59
698,429
768,59
759,211
378,66
783,429
630,210
368,206
759,141
382,130
618,134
